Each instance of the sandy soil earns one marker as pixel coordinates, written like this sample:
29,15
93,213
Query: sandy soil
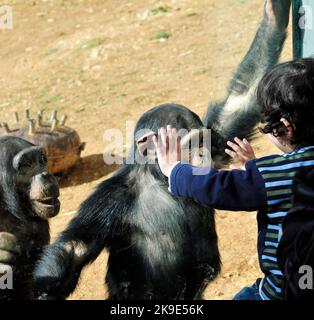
103,62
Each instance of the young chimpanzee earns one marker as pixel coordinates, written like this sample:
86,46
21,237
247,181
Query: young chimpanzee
161,246
28,198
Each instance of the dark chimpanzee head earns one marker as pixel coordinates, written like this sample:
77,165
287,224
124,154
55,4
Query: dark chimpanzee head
187,123
175,115
26,186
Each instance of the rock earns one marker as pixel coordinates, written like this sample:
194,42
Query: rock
218,293
144,15
94,54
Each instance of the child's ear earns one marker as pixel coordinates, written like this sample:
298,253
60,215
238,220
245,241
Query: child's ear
289,127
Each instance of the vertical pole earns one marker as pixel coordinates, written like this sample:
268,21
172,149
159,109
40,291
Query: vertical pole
303,28
296,31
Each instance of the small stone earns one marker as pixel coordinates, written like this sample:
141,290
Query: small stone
144,15
96,68
94,53
218,293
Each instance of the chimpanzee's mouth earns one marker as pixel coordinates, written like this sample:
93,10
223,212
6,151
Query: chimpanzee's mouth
46,208
49,202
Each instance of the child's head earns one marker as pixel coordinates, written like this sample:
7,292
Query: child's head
286,96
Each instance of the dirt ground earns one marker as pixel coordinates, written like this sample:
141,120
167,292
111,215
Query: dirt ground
105,62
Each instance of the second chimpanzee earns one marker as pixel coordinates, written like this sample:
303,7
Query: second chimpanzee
28,198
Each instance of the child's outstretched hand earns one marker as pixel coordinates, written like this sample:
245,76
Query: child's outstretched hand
168,149
241,152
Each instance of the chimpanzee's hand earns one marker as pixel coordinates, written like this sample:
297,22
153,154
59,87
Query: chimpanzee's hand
168,149
278,12
9,249
241,152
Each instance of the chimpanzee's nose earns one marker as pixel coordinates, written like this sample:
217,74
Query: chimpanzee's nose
46,175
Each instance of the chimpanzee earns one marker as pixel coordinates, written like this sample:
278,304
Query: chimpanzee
161,246
28,198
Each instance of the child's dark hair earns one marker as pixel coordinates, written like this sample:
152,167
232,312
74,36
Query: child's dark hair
287,91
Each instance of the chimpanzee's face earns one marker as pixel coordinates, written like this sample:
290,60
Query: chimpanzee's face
35,183
195,139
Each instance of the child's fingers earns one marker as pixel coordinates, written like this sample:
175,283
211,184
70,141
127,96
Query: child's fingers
240,143
234,146
232,154
163,138
157,146
169,132
179,148
171,142
169,137
177,144
248,146
174,152
155,142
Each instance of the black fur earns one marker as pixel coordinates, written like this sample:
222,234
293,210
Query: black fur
263,54
18,218
161,246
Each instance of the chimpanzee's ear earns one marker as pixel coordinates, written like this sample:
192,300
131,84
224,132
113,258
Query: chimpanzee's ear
144,143
26,157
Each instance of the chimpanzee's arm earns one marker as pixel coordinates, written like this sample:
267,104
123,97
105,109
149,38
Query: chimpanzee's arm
266,47
59,269
239,113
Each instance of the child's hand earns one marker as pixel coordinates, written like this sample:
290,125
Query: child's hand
168,149
241,151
